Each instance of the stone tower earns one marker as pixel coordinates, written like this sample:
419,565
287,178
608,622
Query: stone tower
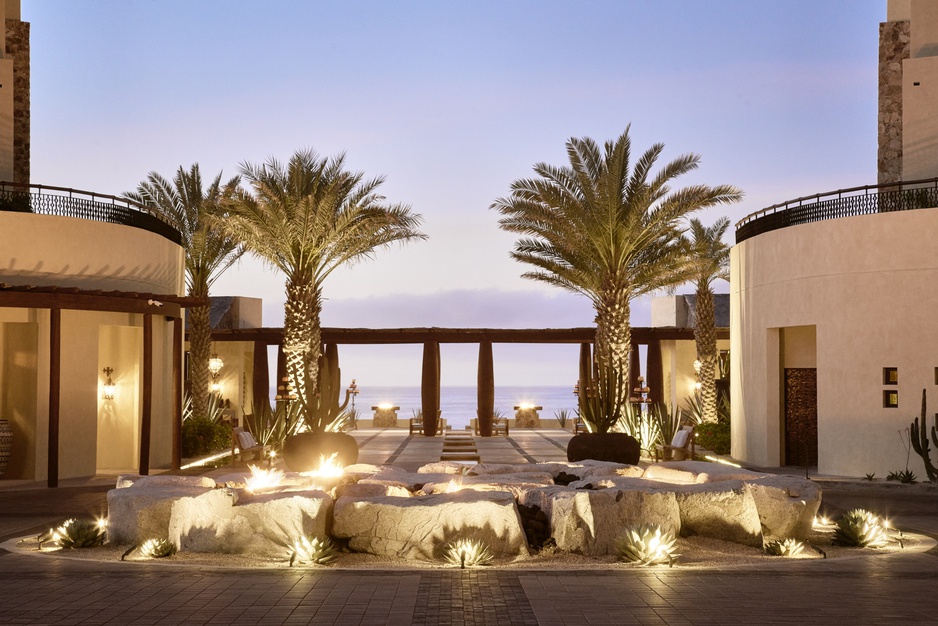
908,91
14,94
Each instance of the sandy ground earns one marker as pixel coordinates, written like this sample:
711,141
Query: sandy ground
695,552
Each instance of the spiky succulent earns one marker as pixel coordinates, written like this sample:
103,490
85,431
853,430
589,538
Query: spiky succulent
312,550
77,533
157,548
471,552
860,528
790,547
647,544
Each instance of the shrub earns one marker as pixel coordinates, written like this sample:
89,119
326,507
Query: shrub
714,437
201,436
860,528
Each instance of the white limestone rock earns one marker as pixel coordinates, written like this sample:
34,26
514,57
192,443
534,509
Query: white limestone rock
160,480
136,513
588,522
421,527
262,525
445,467
723,510
368,489
700,472
787,505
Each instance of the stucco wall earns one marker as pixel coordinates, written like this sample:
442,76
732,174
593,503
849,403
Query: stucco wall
72,252
869,287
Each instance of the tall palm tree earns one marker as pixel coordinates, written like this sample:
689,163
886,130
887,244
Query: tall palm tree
307,218
209,252
710,259
598,229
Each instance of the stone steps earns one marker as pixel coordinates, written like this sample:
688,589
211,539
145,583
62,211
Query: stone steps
459,447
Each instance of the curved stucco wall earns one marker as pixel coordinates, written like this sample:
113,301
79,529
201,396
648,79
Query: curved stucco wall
865,290
43,250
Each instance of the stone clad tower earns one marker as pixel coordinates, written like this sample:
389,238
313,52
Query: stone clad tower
14,94
908,91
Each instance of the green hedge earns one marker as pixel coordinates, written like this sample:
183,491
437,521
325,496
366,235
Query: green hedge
201,436
714,437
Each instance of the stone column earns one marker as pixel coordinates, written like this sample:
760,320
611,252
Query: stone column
894,47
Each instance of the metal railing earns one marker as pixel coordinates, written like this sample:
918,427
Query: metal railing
45,200
898,196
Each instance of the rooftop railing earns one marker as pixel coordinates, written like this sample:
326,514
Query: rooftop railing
45,200
885,198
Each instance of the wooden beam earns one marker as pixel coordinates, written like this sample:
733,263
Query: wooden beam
55,382
147,411
260,382
641,335
85,302
654,380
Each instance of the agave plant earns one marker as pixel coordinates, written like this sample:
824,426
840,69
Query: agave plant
77,533
647,544
471,552
312,550
790,547
861,529
157,548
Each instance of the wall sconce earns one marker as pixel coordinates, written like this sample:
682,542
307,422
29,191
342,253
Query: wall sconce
110,389
214,366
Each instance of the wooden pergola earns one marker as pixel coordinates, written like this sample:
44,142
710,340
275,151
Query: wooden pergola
57,299
431,338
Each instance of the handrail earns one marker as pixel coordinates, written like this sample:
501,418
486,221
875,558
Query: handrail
67,202
865,200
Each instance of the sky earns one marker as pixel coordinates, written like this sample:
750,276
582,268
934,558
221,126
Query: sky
452,102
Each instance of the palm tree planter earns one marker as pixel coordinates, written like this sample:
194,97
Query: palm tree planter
601,409
325,417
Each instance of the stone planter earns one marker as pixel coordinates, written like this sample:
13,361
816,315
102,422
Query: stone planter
613,447
6,444
302,452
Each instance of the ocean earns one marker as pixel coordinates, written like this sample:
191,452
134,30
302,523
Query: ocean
458,404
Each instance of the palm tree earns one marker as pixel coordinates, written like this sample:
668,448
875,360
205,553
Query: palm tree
598,229
307,218
710,259
209,252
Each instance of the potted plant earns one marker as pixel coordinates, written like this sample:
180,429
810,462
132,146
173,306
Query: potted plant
601,408
325,419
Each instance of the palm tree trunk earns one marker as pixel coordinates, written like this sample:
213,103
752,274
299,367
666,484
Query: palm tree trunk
614,334
200,346
301,339
705,337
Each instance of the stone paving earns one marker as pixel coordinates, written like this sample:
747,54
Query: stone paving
888,589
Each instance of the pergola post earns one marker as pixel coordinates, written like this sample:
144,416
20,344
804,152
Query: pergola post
586,373
177,393
485,389
430,387
55,381
635,367
655,378
260,382
147,409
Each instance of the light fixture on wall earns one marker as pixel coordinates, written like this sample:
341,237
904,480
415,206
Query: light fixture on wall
214,366
110,389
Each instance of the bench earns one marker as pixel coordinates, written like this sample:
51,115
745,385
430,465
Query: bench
499,427
579,426
243,441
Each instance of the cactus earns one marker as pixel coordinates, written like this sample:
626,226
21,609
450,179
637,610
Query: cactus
77,533
324,412
306,549
463,552
861,529
648,545
784,547
157,548
919,438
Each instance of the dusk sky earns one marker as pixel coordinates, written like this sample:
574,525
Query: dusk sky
452,101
